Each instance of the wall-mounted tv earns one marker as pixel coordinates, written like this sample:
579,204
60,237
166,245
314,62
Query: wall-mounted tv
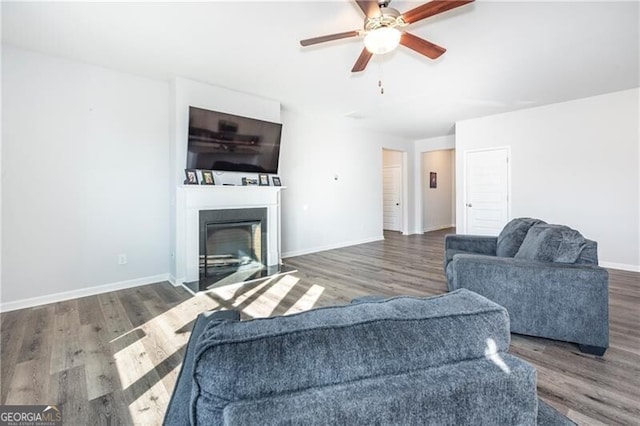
227,142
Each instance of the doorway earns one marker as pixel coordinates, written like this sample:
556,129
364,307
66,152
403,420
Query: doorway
486,192
392,190
438,189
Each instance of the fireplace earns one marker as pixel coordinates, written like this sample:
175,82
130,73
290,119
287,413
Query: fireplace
235,208
231,241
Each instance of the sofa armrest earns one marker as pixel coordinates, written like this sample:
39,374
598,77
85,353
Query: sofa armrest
179,406
543,299
473,267
471,243
467,244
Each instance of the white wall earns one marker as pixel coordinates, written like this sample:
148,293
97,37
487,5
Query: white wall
435,144
318,211
574,163
437,203
85,169
92,159
1,174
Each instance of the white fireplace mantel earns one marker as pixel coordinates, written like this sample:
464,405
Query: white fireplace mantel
190,199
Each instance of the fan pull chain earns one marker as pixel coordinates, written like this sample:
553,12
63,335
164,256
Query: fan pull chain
380,79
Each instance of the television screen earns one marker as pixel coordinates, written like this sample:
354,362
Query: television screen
227,142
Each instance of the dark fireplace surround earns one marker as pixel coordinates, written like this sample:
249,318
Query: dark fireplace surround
227,240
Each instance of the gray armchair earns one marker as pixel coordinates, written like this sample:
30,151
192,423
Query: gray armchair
546,276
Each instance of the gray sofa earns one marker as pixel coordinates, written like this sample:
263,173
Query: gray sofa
547,276
402,361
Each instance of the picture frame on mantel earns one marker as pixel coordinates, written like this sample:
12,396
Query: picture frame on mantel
276,181
263,180
249,181
192,177
207,178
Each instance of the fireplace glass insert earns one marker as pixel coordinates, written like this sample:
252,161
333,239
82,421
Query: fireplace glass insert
230,246
233,245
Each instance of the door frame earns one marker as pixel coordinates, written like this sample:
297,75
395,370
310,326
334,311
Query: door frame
404,195
422,182
462,204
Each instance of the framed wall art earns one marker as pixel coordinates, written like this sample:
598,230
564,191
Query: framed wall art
433,180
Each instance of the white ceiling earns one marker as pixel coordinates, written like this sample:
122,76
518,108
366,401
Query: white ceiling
501,56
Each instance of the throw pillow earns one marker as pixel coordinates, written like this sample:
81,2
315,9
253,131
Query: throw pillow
551,243
513,234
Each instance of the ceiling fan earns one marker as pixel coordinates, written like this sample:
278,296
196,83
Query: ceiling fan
383,29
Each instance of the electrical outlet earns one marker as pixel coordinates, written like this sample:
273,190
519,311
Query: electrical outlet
122,259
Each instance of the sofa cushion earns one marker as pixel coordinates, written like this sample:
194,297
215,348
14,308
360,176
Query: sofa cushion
340,344
551,243
473,392
513,234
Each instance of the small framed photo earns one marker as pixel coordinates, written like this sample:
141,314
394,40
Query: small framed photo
433,180
207,177
263,179
249,181
192,177
276,181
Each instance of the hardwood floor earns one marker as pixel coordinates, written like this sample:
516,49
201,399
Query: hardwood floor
113,359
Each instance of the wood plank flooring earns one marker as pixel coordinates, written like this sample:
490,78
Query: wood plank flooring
113,359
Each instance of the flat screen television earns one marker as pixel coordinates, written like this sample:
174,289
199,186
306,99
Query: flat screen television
227,142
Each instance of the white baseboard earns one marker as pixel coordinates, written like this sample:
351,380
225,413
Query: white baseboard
621,266
84,292
437,227
174,281
330,247
180,283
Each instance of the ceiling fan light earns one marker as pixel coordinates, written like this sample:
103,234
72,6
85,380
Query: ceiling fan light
382,40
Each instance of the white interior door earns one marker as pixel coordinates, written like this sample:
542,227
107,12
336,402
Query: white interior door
486,205
391,198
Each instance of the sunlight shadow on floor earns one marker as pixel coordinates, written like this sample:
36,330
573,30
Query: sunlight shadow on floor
148,357
307,301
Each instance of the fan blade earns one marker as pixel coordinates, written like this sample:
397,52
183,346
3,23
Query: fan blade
316,40
362,61
432,8
422,46
370,8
